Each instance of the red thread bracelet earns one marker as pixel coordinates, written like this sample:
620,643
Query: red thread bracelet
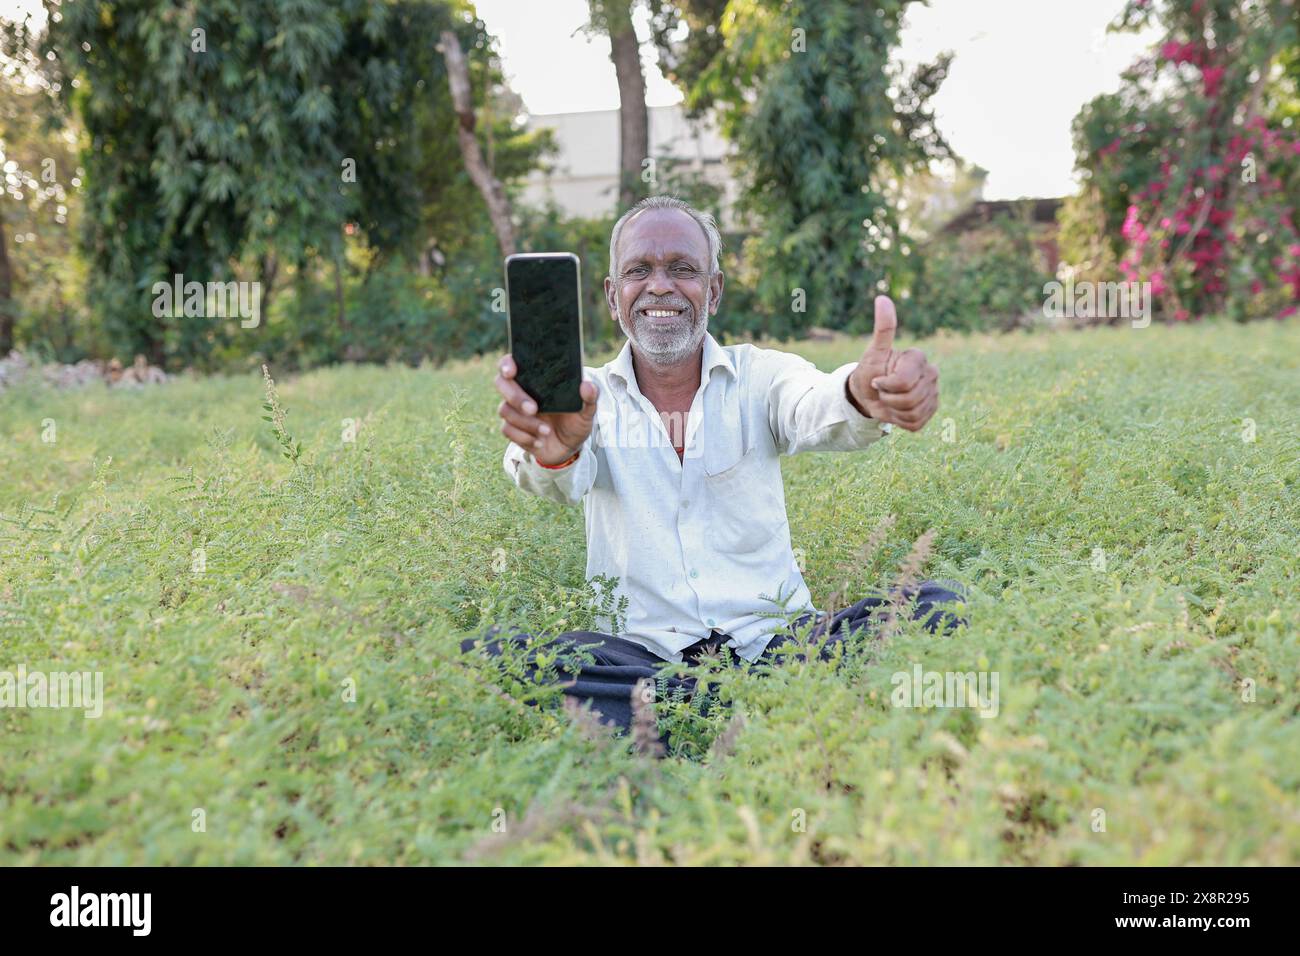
564,464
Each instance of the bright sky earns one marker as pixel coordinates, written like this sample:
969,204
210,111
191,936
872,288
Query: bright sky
1021,70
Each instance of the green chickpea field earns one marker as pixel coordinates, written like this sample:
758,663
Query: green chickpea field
276,608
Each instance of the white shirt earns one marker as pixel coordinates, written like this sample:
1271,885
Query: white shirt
701,544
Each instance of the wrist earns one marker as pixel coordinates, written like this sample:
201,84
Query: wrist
848,393
560,464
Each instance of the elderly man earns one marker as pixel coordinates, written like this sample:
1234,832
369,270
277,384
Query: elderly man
675,458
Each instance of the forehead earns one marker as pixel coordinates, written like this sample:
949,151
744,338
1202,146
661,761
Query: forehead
662,234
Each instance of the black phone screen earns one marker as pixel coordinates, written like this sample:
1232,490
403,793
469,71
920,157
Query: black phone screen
546,328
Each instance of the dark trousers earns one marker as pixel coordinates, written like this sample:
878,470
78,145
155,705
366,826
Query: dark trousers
609,681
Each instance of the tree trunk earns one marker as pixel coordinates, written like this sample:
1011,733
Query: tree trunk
479,171
340,301
633,120
65,325
6,290
270,268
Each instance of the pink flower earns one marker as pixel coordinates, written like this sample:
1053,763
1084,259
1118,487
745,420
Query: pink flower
1212,76
1131,226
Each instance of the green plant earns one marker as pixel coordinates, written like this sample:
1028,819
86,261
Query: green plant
987,279
1132,570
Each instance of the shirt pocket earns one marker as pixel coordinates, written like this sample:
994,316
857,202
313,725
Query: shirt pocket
746,504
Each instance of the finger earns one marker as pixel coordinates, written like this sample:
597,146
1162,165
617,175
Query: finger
518,397
927,407
911,398
916,419
527,423
907,421
589,392
916,401
929,410
514,393
882,332
905,376
905,401
519,437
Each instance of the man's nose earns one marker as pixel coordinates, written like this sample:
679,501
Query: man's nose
660,283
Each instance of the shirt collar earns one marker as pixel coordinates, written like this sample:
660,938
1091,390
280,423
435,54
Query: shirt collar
714,355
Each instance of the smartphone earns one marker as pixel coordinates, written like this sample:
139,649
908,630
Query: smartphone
544,313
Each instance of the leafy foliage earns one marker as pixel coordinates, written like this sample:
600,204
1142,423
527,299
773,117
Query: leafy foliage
989,278
236,138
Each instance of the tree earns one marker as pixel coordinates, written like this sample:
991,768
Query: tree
242,135
487,183
613,18
684,59
826,129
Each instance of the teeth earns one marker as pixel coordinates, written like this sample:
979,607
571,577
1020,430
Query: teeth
662,313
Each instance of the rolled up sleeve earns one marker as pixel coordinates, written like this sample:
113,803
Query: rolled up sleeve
809,410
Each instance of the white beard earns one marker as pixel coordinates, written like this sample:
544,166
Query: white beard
667,344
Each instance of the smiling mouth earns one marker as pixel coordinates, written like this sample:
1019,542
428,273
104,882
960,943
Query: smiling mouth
661,314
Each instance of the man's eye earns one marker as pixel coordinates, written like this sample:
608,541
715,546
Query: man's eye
636,271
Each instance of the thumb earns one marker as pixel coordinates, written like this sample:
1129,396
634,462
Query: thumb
589,393
882,335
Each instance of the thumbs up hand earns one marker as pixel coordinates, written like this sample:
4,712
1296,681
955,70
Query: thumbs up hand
901,388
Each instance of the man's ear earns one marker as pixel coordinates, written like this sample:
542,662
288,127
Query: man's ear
611,298
715,292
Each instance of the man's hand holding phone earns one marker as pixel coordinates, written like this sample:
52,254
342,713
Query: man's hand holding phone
551,437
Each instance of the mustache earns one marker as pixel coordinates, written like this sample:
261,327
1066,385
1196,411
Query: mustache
640,305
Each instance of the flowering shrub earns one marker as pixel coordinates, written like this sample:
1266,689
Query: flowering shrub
1192,161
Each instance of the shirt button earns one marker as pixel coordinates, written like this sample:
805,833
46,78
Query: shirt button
694,573
711,622
686,504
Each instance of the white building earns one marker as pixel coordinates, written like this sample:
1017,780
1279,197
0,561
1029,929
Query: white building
583,180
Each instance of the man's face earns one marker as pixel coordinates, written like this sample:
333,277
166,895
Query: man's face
660,291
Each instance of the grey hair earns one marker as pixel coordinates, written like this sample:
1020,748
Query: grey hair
707,223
